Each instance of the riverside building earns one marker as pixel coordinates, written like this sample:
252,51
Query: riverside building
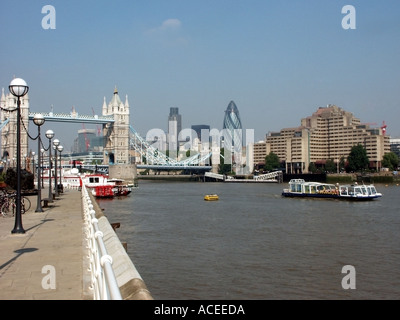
116,137
329,133
8,119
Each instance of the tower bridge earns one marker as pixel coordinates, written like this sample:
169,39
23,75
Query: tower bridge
119,136
73,118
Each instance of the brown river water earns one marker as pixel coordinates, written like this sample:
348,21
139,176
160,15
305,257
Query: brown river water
253,244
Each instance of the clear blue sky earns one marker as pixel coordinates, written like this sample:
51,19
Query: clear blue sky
277,60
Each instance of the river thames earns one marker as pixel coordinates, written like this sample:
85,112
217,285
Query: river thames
253,244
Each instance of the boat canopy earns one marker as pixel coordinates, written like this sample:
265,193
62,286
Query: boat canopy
300,186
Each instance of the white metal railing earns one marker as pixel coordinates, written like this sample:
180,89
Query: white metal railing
214,175
103,281
269,176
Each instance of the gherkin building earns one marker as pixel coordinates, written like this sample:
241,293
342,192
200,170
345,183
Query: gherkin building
232,127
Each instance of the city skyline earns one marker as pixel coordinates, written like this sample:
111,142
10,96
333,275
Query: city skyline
277,61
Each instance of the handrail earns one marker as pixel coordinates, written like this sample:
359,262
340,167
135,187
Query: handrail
103,281
268,176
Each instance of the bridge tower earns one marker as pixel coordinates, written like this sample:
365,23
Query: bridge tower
116,135
8,111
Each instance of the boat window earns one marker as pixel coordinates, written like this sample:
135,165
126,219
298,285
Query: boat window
343,191
358,190
313,189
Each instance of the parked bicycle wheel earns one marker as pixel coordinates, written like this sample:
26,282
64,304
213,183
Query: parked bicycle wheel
8,209
25,204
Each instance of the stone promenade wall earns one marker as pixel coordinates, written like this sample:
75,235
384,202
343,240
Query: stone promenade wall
129,281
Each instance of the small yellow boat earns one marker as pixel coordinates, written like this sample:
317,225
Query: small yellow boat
211,197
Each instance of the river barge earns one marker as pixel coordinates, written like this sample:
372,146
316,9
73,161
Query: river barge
301,189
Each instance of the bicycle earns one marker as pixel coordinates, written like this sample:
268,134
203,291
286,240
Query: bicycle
9,205
3,199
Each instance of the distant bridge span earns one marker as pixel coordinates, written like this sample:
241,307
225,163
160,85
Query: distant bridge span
73,118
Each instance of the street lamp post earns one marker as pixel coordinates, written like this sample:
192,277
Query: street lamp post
60,149
33,164
50,135
18,88
41,165
56,143
39,121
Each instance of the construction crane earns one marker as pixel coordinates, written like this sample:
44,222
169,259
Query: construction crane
87,143
383,127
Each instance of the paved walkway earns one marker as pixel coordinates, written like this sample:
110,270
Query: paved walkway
52,245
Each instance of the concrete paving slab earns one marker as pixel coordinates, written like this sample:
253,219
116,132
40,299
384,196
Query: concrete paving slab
49,252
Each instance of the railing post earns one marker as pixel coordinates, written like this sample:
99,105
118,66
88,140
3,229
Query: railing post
103,281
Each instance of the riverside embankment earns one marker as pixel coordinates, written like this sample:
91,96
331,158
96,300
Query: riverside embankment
50,261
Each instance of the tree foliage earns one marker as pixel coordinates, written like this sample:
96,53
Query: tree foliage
224,168
358,159
390,160
330,166
271,162
27,182
312,167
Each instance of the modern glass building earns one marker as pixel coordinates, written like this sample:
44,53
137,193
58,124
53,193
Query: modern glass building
232,128
198,129
174,128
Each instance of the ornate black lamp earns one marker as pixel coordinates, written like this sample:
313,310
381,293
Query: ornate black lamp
60,148
18,88
39,120
56,143
50,135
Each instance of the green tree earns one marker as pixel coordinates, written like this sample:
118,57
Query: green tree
312,167
390,160
358,159
342,163
224,168
330,166
271,162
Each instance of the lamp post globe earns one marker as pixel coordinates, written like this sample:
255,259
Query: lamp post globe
50,135
18,88
39,120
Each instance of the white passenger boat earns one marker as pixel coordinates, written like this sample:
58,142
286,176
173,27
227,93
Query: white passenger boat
301,188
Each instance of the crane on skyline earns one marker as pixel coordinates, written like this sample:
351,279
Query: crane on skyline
87,143
384,126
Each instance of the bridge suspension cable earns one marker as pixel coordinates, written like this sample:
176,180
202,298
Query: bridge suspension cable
156,157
